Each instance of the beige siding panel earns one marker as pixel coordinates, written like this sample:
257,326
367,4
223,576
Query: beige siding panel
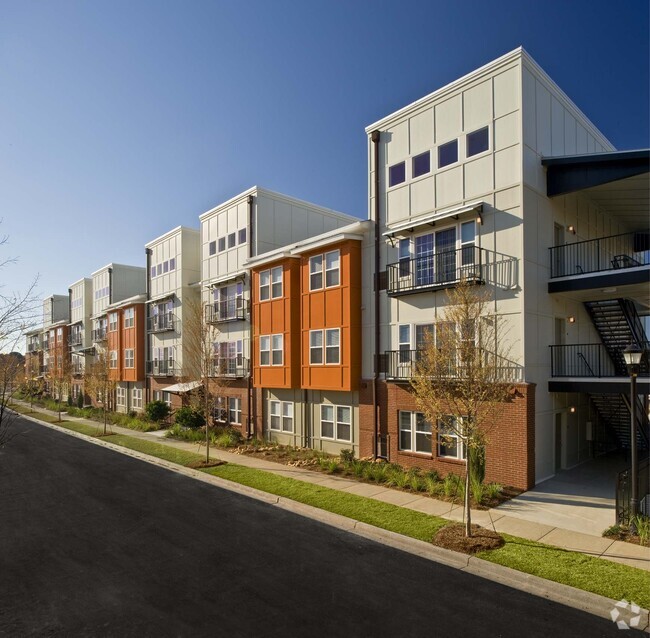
397,146
543,113
449,187
530,109
557,128
448,119
397,204
507,167
506,131
421,132
422,195
506,92
479,178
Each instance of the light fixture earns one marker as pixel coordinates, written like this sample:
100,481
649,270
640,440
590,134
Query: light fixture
633,355
572,230
572,409
572,319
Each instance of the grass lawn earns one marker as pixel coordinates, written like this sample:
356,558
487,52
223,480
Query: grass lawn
578,570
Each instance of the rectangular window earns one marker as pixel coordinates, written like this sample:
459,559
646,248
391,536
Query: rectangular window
112,322
153,274
404,257
316,272
165,266
172,264
336,422
159,270
242,235
129,317
449,443
276,282
397,174
234,410
332,268
129,359
281,413
276,350
275,422
332,346
421,164
265,350
212,248
414,432
478,141
287,416
404,341
448,153
265,285
232,240
316,347
137,398
468,243
121,396
112,359
222,244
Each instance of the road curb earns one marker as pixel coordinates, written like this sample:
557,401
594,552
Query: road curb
594,604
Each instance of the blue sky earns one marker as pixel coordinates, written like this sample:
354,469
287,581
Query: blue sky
121,120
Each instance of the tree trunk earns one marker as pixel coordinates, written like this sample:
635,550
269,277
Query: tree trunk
59,406
468,511
207,420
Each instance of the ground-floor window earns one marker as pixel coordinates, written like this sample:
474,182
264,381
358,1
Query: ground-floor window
281,416
450,444
137,398
234,410
414,432
336,422
120,396
161,395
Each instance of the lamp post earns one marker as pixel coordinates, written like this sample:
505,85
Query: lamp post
633,355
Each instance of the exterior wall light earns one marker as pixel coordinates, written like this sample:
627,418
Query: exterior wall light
572,409
572,230
571,319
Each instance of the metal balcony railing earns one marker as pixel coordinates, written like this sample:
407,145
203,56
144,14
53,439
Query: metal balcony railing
33,347
235,367
583,360
76,339
597,255
44,369
46,344
161,368
230,309
99,334
161,323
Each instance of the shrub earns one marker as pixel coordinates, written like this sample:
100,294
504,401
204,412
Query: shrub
69,400
642,524
358,468
189,418
157,411
493,490
478,490
451,484
347,457
80,400
177,431
227,438
432,485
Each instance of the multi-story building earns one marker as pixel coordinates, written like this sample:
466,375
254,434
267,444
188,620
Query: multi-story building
80,333
173,286
479,180
252,223
54,340
33,353
307,340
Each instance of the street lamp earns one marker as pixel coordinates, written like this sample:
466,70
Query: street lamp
633,355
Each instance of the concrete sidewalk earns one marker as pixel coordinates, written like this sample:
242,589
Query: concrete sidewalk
592,544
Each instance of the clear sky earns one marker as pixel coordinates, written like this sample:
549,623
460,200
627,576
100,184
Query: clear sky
121,119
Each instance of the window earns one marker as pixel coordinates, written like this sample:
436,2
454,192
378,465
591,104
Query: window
276,282
478,141
121,396
165,266
421,164
467,243
242,236
414,432
59,333
112,359
447,153
276,350
232,240
316,272
159,270
112,322
222,244
397,174
281,413
265,285
229,301
404,340
129,315
336,422
332,346
265,350
404,257
213,248
172,264
234,410
153,273
332,268
137,398
129,359
449,443
316,347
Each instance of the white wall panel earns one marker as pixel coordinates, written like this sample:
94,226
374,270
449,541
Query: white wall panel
449,187
543,119
506,92
557,128
529,107
397,146
506,131
479,178
397,205
421,132
423,195
477,106
507,167
448,119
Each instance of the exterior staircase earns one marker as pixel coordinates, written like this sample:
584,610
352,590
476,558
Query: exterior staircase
614,410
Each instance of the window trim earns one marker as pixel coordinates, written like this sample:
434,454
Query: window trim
478,130
336,422
388,174
324,270
281,416
131,358
270,350
460,445
413,432
440,146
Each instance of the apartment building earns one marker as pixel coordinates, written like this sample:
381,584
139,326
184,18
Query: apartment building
307,339
173,288
80,333
254,222
54,339
463,183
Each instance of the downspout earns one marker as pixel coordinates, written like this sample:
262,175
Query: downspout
110,286
374,137
250,421
307,418
147,289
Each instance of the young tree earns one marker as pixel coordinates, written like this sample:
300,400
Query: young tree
60,377
99,382
12,374
201,366
462,377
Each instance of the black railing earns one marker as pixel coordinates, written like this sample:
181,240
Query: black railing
230,309
583,360
235,367
161,323
596,255
75,339
161,368
46,344
33,347
624,492
99,334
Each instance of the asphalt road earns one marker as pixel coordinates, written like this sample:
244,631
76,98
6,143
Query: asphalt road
95,543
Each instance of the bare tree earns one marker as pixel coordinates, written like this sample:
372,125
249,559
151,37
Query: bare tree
462,377
201,365
60,377
99,381
12,374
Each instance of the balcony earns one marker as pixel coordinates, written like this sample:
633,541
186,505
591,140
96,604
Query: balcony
597,263
161,323
233,368
447,269
76,339
45,344
33,347
44,369
99,334
230,309
158,368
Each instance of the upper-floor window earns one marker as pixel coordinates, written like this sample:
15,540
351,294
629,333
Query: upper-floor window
112,322
242,235
112,359
271,283
329,342
397,174
232,240
478,141
129,317
212,248
271,350
421,164
447,153
332,261
59,332
222,244
129,359
172,264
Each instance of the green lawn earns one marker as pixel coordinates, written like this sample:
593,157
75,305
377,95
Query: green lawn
570,568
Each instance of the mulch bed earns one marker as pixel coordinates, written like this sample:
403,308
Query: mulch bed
200,465
453,537
624,535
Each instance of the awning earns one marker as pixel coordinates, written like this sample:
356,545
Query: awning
181,388
431,219
167,295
